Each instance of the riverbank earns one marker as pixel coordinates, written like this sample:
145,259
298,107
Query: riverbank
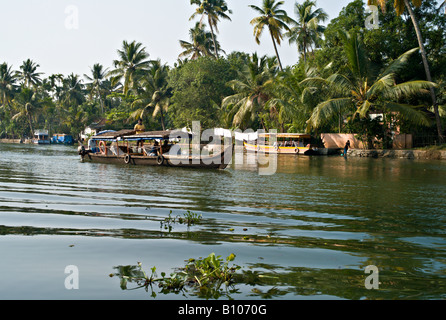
400,154
11,141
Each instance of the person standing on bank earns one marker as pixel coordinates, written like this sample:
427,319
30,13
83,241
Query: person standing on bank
347,145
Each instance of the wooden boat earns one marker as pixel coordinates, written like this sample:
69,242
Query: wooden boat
154,148
62,138
41,137
285,143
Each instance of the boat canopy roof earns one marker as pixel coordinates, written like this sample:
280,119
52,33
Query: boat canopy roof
130,135
285,135
158,135
112,135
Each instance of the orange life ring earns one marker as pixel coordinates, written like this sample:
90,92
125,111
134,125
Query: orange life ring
102,143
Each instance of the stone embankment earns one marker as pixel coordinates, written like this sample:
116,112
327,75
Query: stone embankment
11,141
401,154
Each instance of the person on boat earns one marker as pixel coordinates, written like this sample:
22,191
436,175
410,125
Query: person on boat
347,145
139,128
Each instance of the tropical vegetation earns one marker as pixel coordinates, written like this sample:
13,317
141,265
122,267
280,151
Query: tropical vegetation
346,78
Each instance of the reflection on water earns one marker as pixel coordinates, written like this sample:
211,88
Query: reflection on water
311,228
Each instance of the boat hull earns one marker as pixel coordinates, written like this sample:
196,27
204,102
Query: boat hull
277,150
211,162
41,141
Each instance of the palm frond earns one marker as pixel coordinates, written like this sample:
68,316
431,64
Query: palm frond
397,65
409,113
326,110
408,89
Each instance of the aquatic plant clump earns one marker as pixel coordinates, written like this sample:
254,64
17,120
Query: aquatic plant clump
189,218
204,276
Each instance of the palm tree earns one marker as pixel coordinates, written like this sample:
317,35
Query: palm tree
132,62
214,9
28,104
56,81
362,91
98,75
400,6
7,84
252,91
72,91
29,74
293,101
201,43
155,93
307,30
273,18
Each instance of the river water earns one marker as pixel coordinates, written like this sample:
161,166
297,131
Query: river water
308,231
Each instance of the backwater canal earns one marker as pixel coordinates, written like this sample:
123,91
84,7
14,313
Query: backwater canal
308,231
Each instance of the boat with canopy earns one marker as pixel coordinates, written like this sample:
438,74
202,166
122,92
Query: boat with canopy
280,143
154,148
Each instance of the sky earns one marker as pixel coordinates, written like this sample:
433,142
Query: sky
71,36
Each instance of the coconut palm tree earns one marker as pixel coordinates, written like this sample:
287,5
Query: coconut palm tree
293,101
56,81
131,64
201,43
362,90
29,74
73,91
28,104
274,19
98,75
307,31
154,93
252,91
214,10
400,6
7,84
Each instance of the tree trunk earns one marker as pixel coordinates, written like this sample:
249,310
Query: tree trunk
340,117
213,38
162,119
426,69
30,126
100,101
275,49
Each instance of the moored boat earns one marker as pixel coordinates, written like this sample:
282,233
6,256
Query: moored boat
153,148
284,143
41,137
62,138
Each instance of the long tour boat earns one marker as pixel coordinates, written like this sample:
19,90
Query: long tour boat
284,143
154,148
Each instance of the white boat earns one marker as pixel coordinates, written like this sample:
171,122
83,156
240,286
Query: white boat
41,137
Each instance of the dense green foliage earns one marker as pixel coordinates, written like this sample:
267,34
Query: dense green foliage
345,74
